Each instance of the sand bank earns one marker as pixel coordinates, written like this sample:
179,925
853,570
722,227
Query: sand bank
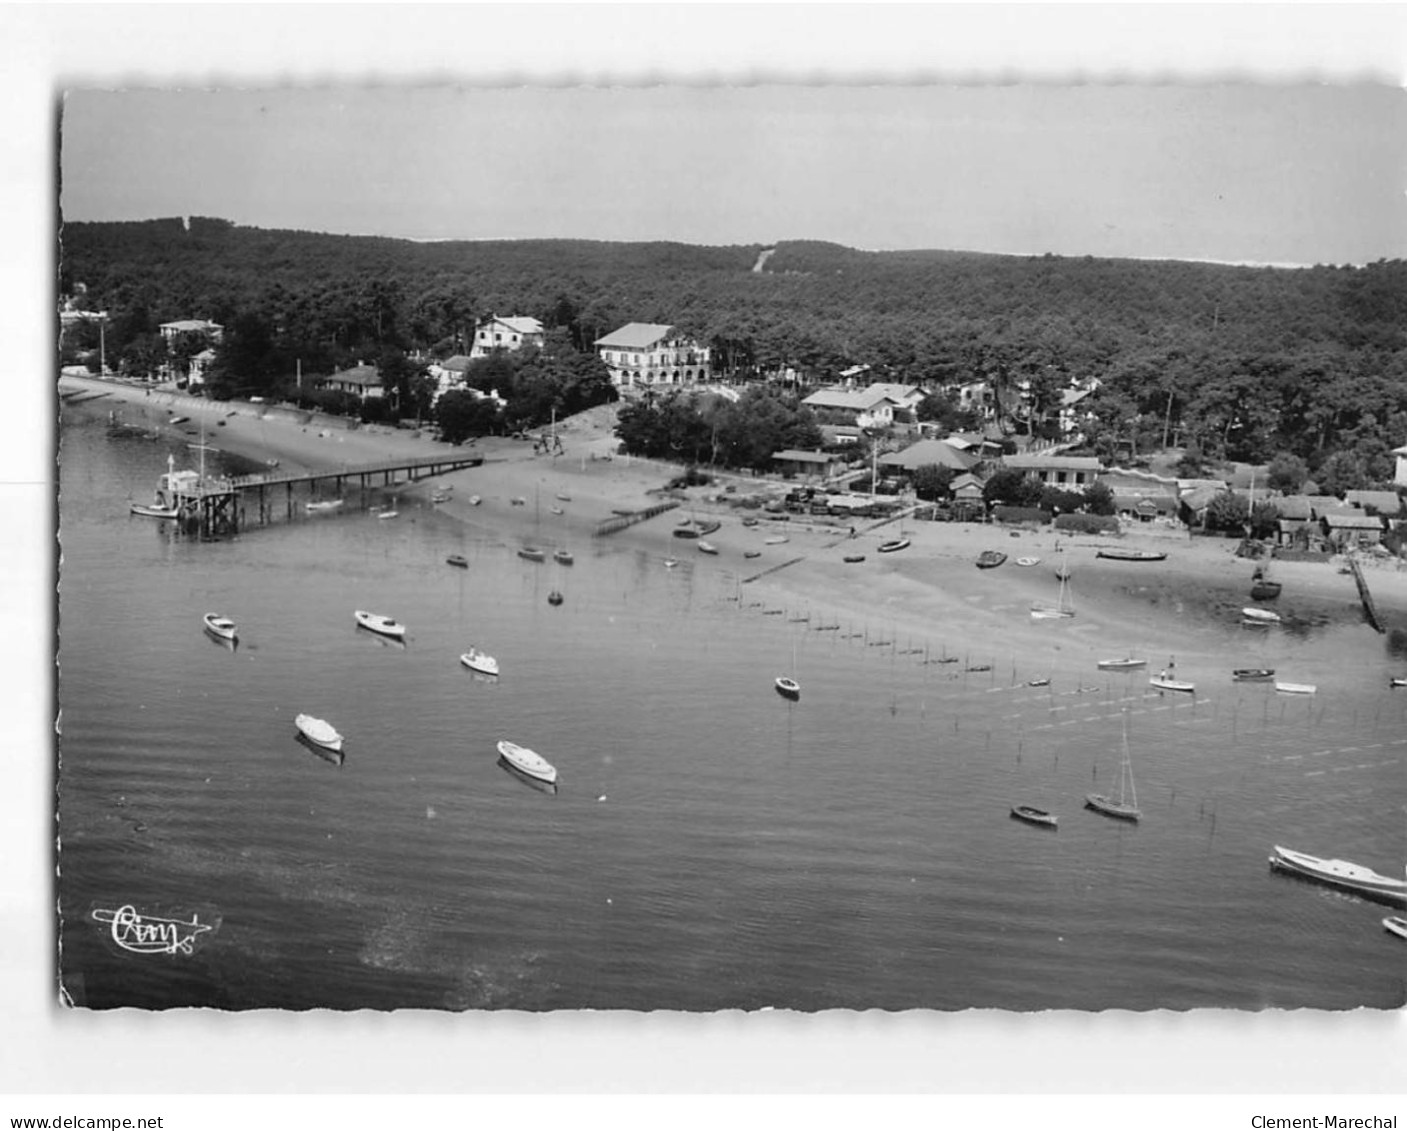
930,593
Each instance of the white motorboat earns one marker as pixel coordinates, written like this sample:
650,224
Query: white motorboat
528,761
480,662
155,511
1341,874
375,622
319,731
1262,616
219,626
706,547
1295,688
1128,663
1165,682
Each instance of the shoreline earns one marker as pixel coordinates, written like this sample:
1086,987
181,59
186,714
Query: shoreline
931,591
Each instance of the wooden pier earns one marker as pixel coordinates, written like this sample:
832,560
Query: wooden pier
216,505
1369,609
621,521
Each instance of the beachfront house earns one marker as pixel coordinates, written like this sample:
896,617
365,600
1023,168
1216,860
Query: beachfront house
1386,503
1141,495
1347,529
361,379
794,461
495,333
649,354
929,453
186,340
1070,473
864,409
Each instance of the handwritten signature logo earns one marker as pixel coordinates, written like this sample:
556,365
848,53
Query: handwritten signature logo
152,934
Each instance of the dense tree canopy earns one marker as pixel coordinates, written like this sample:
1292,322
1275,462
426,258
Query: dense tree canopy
1243,362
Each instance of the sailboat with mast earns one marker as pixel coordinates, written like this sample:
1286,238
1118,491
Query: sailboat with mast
786,685
1125,805
1064,606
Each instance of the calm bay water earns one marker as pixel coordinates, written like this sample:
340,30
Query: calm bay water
710,845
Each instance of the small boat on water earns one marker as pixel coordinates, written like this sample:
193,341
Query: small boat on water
320,732
1131,555
1395,682
1063,608
155,511
775,540
752,553
853,558
555,597
1295,688
978,668
563,557
990,559
1264,616
1341,874
670,563
1124,807
1127,664
894,545
375,622
532,554
388,512
219,626
556,510
480,662
1163,681
1252,675
458,560
1028,561
324,505
787,687
474,500
707,547
564,496
1034,816
749,521
1039,681
178,420
529,761
1396,926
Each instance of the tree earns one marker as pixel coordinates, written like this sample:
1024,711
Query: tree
1341,472
461,415
1192,464
1012,487
1264,519
1227,511
1287,473
1099,498
932,481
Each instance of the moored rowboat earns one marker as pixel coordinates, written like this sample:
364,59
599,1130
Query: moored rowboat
529,761
1034,816
375,622
318,731
788,687
219,626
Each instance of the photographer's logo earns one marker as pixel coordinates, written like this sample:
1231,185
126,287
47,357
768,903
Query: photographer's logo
152,934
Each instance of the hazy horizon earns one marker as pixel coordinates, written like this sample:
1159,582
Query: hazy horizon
1238,174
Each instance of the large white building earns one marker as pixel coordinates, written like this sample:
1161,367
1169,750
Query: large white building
649,354
495,333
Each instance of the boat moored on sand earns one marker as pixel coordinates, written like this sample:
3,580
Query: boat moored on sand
1131,555
1264,616
990,559
894,545
1341,874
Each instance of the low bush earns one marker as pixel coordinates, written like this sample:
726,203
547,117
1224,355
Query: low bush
1088,523
1021,514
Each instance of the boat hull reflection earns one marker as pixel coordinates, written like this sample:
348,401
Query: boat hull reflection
336,757
526,779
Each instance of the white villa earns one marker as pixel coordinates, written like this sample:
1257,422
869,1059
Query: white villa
865,409
495,333
649,354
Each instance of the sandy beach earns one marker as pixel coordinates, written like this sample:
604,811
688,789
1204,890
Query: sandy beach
929,594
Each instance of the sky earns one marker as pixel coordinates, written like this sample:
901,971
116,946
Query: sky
1232,172
1246,133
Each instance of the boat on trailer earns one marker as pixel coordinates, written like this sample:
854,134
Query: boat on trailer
1341,874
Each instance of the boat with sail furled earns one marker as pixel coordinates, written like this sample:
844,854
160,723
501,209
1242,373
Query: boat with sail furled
1341,874
1123,807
